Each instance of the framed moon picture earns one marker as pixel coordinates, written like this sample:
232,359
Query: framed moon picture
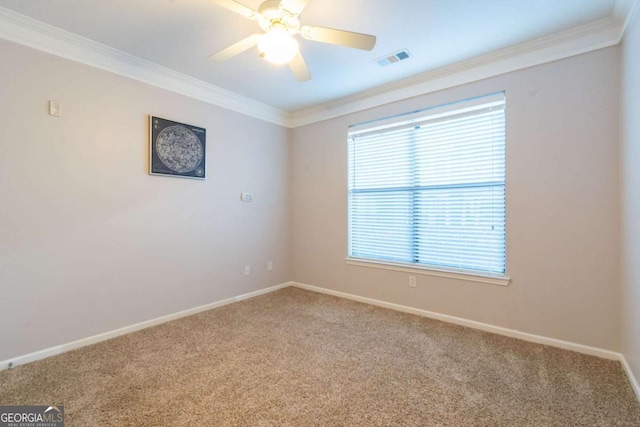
176,149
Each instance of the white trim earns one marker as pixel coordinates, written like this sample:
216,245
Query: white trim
585,38
21,29
566,345
430,271
625,11
494,100
538,339
59,349
592,351
632,379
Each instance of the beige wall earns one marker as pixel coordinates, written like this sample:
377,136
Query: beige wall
562,207
630,173
89,242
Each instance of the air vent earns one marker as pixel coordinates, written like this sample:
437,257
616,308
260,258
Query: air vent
393,58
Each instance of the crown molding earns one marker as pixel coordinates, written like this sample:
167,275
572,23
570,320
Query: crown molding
625,11
21,29
585,38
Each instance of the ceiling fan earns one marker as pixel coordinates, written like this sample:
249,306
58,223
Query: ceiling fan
279,19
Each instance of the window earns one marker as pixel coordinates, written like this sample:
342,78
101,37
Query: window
429,190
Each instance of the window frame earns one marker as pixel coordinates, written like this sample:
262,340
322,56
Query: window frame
501,279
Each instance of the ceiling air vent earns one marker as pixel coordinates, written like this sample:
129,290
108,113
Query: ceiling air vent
398,56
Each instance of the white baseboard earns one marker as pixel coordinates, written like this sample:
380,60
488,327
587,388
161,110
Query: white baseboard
632,378
52,351
593,351
580,348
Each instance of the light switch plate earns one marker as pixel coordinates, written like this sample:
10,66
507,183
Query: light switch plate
55,108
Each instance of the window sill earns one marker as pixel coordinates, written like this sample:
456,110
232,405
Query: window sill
431,271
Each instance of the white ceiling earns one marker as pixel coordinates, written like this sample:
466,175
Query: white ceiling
180,34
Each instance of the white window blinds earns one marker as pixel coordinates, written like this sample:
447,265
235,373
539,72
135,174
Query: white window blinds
431,190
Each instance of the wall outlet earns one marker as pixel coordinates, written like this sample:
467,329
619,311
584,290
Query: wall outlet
247,270
246,197
270,266
412,281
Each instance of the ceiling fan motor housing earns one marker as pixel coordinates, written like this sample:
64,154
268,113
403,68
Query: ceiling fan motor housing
272,15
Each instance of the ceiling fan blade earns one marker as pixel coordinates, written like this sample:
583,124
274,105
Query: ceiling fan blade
299,68
293,7
339,37
235,48
238,8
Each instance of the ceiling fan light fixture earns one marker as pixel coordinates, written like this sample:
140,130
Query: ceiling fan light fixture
279,19
277,46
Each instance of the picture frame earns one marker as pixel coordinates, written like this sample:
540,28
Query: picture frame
176,149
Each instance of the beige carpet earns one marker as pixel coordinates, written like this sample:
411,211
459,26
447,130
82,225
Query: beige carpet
300,358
